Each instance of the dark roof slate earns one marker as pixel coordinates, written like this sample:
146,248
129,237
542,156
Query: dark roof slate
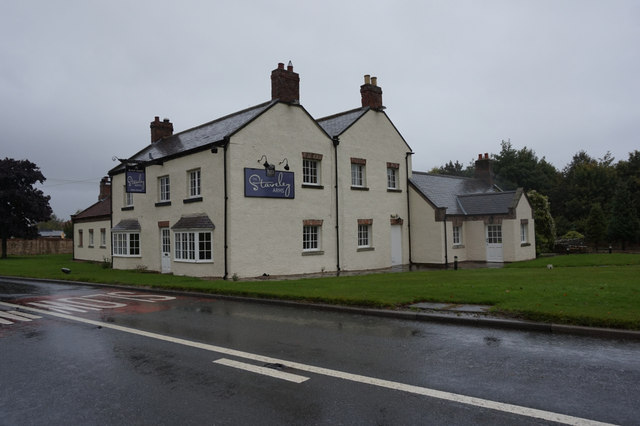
99,209
198,137
443,191
127,225
196,221
491,203
336,124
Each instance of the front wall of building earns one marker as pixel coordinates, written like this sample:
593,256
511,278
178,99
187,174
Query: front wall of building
374,139
265,234
84,249
151,216
427,234
517,250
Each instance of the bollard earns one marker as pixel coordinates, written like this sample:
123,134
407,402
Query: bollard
609,248
455,263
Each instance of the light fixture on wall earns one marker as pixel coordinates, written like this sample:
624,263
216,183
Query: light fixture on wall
270,169
286,166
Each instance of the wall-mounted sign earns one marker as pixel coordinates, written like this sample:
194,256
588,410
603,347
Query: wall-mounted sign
258,184
135,177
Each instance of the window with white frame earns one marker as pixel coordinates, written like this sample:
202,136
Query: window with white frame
364,233
524,232
126,244
358,172
193,246
194,183
90,237
311,235
164,188
457,235
128,197
79,237
392,176
103,237
310,172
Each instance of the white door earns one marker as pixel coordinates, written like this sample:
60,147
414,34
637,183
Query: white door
396,245
494,243
165,250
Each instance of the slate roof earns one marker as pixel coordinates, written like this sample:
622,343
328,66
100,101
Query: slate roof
198,137
196,221
127,225
491,203
100,209
464,196
336,124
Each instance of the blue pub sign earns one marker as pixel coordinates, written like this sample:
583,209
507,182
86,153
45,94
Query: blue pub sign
135,177
258,184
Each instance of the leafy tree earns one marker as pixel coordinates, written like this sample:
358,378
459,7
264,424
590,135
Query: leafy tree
454,169
522,168
21,205
53,224
624,225
596,230
544,224
584,181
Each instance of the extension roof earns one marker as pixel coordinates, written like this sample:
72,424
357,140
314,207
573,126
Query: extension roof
464,196
101,209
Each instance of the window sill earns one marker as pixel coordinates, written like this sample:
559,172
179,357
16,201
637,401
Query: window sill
103,247
192,200
366,248
163,203
458,246
394,190
525,244
124,209
313,253
90,246
192,261
359,188
127,255
312,186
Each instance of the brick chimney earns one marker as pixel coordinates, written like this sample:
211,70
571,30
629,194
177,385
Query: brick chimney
285,84
484,170
371,93
105,188
160,129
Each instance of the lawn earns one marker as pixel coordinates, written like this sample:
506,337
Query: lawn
593,290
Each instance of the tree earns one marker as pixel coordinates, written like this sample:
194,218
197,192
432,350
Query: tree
454,169
522,168
624,225
544,224
596,230
21,205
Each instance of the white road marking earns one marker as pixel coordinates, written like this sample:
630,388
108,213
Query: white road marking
16,316
262,370
418,390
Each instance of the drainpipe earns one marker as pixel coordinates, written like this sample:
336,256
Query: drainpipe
446,250
336,142
226,207
406,169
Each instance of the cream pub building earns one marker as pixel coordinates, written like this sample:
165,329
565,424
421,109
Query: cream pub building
270,190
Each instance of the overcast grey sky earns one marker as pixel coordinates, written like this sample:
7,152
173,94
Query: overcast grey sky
80,81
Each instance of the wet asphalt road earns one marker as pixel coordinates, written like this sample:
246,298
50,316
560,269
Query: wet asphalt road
97,355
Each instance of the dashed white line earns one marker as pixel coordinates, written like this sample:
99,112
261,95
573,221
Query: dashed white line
418,390
262,370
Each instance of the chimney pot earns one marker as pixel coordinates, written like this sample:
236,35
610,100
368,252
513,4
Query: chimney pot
479,156
160,129
371,94
105,188
285,84
486,155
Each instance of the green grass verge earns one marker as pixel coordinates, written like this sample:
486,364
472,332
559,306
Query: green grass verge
591,290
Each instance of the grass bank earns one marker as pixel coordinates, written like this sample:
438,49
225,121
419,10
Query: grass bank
593,290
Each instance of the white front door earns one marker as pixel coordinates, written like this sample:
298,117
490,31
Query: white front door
165,250
494,243
396,245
